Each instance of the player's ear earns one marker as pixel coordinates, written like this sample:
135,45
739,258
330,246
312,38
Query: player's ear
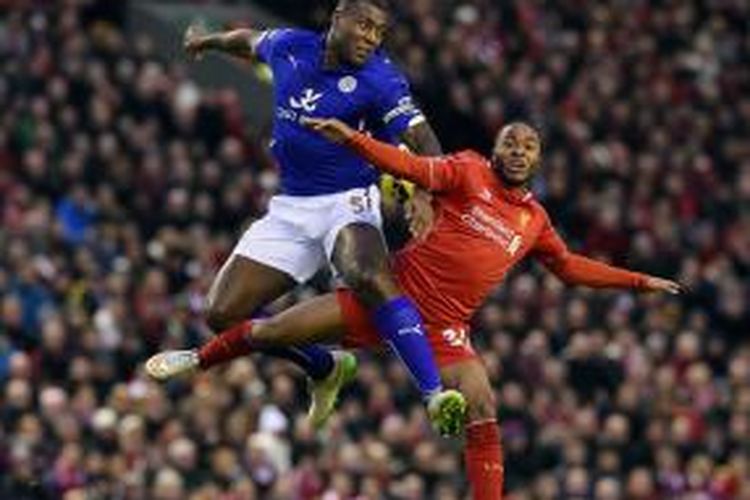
337,15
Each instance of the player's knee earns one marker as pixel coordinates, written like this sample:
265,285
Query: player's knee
369,280
482,404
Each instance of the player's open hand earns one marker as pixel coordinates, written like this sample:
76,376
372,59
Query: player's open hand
193,42
654,284
330,128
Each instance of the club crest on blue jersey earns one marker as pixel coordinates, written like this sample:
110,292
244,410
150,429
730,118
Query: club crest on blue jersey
348,84
375,95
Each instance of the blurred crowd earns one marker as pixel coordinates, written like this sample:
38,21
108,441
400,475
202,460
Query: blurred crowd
123,186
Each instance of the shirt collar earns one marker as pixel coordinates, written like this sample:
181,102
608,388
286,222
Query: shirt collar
517,196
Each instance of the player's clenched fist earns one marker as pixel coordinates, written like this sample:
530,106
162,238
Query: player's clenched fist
193,42
330,128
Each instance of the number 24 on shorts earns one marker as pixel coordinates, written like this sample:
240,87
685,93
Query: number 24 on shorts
456,337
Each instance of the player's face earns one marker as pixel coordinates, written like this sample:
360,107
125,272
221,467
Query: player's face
516,154
360,30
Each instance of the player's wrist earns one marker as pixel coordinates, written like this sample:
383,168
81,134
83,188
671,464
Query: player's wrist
642,281
354,137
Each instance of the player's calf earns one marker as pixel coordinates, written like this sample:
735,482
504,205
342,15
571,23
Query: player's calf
240,340
484,459
218,318
484,454
361,257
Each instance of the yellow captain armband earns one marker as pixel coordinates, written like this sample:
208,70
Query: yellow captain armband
407,188
388,189
394,190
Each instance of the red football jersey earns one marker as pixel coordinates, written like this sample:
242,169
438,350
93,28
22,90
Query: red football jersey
482,229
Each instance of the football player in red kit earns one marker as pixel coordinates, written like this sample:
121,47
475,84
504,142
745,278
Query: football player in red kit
486,221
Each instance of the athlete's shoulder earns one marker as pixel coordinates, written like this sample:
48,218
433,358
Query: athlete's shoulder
382,62
537,209
288,37
303,35
470,159
289,33
465,167
471,156
381,71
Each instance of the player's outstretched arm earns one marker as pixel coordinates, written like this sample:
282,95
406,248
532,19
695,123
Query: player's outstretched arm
575,269
431,173
239,42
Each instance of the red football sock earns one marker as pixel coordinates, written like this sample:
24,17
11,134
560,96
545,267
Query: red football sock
484,459
227,345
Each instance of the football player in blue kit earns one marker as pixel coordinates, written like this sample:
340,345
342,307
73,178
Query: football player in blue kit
328,210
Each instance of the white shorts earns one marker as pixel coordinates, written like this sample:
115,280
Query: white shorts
298,233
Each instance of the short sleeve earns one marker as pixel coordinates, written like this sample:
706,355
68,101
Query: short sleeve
395,109
270,41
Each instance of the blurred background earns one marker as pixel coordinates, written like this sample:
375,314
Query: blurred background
126,175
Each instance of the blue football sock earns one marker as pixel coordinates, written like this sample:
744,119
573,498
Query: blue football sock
400,325
316,361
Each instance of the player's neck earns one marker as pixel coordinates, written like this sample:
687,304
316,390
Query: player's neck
519,192
515,192
331,56
514,187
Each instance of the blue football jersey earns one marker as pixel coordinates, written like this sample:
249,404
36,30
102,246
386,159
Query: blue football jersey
374,97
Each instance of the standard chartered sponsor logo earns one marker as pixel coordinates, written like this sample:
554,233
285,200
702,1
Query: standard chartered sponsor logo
497,224
492,228
471,221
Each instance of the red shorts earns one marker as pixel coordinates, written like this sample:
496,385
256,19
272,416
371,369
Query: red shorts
449,344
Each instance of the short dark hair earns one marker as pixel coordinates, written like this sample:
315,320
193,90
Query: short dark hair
346,4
